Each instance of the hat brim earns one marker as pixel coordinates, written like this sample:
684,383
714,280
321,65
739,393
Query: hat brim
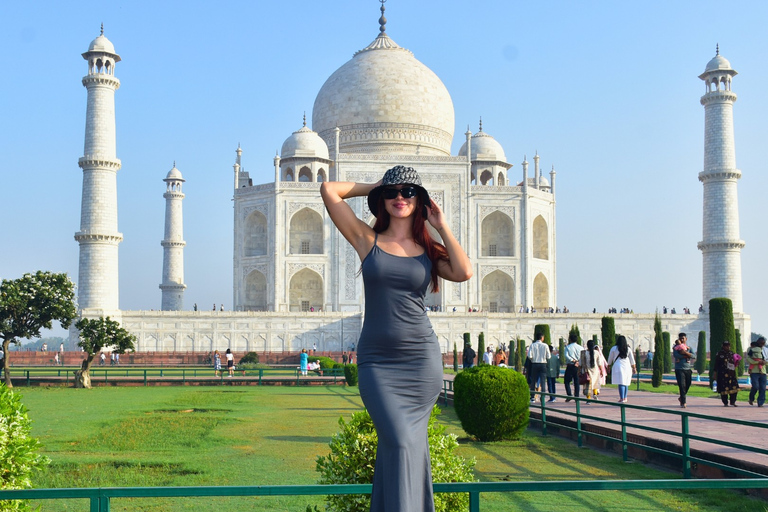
373,196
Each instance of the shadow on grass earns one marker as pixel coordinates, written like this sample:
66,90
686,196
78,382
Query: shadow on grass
300,439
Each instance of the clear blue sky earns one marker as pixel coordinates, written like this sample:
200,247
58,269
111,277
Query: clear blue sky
606,91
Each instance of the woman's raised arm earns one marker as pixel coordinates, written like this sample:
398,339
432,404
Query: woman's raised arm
357,232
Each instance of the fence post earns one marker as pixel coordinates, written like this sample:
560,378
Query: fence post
624,450
27,378
686,447
145,377
445,392
261,374
183,376
579,435
474,501
543,415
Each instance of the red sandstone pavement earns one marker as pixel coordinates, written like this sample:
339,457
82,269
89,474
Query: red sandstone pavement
606,407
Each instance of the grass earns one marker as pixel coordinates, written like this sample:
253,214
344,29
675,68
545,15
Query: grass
190,436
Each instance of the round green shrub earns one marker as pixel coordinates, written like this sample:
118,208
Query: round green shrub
491,402
353,456
249,358
350,374
326,363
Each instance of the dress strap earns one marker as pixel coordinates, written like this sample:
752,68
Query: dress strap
375,239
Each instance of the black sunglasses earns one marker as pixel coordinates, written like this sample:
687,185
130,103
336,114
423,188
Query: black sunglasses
406,192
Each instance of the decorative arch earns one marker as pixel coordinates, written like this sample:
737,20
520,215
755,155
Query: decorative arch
255,243
305,174
255,291
540,292
305,291
540,238
288,174
472,178
321,175
497,235
498,293
306,236
500,179
168,345
486,177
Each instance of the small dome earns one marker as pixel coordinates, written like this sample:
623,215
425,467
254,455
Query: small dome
102,44
304,143
543,182
174,175
484,147
717,63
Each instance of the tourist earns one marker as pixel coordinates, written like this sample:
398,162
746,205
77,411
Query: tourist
725,375
468,357
539,355
553,372
56,358
303,358
622,364
44,348
344,358
230,363
102,359
683,366
591,363
572,355
757,376
401,366
649,359
488,356
216,363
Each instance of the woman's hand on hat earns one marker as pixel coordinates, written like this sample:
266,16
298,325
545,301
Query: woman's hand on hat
435,216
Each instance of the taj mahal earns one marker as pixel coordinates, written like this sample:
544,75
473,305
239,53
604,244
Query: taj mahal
295,278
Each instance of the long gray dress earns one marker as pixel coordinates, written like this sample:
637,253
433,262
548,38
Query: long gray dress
400,374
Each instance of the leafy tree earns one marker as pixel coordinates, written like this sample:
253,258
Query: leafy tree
701,353
353,456
32,303
608,332
561,351
575,330
739,349
18,449
658,349
480,348
520,355
96,335
543,329
721,328
455,358
667,352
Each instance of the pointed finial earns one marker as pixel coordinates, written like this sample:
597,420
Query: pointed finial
382,20
717,49
481,123
305,118
174,164
102,29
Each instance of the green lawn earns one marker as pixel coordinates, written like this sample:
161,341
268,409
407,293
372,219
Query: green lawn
179,436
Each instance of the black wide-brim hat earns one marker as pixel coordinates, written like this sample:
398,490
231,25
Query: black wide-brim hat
398,175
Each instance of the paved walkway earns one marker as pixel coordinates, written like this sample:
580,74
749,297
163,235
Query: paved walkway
668,418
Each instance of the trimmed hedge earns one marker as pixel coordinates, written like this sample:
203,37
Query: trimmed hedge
520,355
739,350
608,332
249,358
480,348
575,330
455,358
326,363
701,353
350,374
658,350
542,328
720,328
667,352
491,402
561,352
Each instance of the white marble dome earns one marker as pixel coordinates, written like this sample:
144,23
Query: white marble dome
174,174
718,62
102,44
385,101
484,146
304,142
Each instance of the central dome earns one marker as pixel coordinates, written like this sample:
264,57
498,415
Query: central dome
385,101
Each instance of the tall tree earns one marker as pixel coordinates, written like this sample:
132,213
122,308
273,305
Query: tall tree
721,328
658,349
455,358
608,332
30,304
575,330
667,352
480,348
520,355
701,353
544,329
561,351
96,335
739,350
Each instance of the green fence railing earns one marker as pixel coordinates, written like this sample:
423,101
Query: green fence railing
100,498
685,434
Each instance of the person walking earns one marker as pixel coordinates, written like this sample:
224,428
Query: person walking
539,355
591,363
303,359
725,375
683,366
757,371
488,356
216,363
572,355
553,372
400,367
468,357
622,363
230,363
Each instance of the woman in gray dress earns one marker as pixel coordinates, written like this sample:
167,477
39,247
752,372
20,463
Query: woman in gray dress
400,367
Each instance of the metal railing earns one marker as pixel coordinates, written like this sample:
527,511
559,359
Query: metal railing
100,497
685,435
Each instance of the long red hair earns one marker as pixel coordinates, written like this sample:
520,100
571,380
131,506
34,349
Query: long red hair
434,249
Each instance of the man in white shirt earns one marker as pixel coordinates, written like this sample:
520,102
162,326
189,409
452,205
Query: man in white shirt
539,354
488,356
572,355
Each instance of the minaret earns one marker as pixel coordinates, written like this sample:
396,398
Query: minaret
173,244
721,245
98,236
